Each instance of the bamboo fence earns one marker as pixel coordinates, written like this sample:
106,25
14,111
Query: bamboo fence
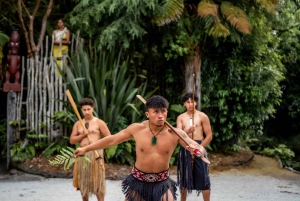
45,91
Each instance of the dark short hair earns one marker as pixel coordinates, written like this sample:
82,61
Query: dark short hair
157,101
188,96
86,101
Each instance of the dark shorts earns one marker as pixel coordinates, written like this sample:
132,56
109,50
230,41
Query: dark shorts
141,186
196,179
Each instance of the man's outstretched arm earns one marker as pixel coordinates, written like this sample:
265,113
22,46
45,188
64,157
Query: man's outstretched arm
106,142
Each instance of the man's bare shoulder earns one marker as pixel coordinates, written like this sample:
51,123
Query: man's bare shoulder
100,121
202,114
77,123
181,116
140,125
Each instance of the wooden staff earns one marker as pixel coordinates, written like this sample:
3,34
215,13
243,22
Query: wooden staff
196,151
193,122
80,120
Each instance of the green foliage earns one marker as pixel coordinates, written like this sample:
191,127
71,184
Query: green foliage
241,86
270,147
175,110
179,47
122,153
61,142
169,11
65,118
108,81
21,151
286,26
32,144
281,152
3,138
112,22
66,157
3,39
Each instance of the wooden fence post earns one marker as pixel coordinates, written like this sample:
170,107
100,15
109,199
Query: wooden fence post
11,116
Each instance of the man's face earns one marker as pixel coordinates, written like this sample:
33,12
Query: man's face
87,111
157,116
190,104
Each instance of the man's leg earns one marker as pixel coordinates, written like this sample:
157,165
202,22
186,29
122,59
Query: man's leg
100,197
170,196
183,194
206,195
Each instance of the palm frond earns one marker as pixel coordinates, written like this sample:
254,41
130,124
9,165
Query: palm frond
206,9
170,11
67,158
236,17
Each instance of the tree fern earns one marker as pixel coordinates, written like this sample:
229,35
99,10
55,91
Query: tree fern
67,158
169,11
206,8
269,5
236,17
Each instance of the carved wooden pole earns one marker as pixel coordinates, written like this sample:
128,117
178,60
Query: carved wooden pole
11,116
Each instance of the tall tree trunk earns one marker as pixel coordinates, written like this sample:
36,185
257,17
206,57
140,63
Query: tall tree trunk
193,66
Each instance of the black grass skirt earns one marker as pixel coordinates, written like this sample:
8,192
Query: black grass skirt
137,190
196,179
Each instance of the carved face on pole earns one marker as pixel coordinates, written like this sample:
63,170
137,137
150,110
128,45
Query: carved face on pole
14,42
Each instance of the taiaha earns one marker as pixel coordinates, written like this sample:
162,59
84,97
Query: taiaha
196,151
193,116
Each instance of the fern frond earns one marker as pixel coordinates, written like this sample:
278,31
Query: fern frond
67,158
236,17
170,11
268,5
219,30
206,8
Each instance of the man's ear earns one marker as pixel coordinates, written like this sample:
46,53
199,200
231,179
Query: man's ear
147,114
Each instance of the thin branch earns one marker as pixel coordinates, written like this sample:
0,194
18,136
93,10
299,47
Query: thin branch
31,20
49,9
36,8
26,10
29,50
281,31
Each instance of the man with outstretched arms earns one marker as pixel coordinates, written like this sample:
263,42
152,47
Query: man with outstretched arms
155,143
89,177
192,172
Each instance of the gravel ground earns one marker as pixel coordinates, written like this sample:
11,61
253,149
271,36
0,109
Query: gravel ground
255,182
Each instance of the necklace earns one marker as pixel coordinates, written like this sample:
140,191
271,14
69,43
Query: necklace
154,138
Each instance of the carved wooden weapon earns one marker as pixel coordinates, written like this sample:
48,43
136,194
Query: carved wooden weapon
197,152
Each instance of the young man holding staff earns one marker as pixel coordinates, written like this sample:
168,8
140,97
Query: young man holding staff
89,177
155,143
193,173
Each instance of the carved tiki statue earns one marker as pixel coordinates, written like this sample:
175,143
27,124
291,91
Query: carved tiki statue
13,64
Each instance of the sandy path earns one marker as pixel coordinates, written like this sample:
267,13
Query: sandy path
262,180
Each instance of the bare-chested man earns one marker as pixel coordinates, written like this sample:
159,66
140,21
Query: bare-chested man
155,143
193,176
91,178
